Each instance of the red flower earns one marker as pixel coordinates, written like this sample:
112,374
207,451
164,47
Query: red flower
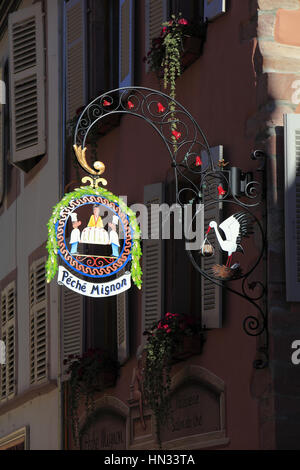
182,21
221,190
198,161
130,105
159,326
176,134
106,103
166,326
164,29
161,108
169,330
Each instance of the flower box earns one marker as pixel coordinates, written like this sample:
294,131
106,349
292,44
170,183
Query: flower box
191,346
192,49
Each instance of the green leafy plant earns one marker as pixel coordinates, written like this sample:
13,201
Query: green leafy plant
166,53
164,341
52,245
90,373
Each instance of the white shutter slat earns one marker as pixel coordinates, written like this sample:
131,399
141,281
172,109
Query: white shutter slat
27,85
214,8
7,334
292,204
211,294
155,15
72,318
126,43
153,262
2,103
122,324
38,323
76,55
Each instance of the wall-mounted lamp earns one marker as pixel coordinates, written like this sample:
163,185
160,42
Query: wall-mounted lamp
239,180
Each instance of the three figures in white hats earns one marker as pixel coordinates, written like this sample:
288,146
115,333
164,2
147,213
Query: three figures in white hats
113,236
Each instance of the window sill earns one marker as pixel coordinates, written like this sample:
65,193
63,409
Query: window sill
29,394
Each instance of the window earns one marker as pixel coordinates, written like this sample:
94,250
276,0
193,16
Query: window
76,55
38,323
191,10
8,335
107,322
27,86
103,28
158,11
17,440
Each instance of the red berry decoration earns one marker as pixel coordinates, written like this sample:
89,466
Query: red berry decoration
106,103
176,134
161,108
198,161
221,190
130,104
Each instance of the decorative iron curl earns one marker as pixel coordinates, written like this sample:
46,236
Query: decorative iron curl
144,103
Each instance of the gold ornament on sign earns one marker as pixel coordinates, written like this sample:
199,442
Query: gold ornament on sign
99,168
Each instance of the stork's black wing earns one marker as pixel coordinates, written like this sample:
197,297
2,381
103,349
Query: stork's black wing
246,226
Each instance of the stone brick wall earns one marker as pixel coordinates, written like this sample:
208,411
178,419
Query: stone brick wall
277,66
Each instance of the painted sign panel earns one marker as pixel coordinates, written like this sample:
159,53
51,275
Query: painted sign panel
95,235
107,432
195,409
91,289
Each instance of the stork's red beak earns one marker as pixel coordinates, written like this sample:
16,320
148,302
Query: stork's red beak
208,230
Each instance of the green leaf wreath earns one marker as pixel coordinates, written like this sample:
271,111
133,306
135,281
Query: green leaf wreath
52,245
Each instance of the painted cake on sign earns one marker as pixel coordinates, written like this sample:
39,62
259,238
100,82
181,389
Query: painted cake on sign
95,235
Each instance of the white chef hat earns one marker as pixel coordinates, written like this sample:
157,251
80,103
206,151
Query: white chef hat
74,217
115,220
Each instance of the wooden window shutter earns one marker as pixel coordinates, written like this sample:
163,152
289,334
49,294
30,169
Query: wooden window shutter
72,326
214,8
122,324
2,104
292,206
155,15
8,335
153,264
38,323
211,294
126,43
27,85
76,56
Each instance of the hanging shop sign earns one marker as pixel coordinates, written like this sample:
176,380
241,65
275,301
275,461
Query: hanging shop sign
96,237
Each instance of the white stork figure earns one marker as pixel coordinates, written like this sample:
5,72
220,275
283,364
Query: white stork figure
235,228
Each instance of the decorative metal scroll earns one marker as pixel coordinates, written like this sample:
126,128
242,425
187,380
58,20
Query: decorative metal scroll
198,180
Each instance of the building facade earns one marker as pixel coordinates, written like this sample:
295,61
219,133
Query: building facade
30,47
242,88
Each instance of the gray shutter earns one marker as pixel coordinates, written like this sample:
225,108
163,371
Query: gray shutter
8,335
211,294
153,264
72,326
76,62
292,206
2,104
155,15
126,43
214,8
27,85
122,324
38,323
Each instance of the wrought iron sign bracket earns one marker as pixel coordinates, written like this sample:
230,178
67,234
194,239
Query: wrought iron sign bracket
212,183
